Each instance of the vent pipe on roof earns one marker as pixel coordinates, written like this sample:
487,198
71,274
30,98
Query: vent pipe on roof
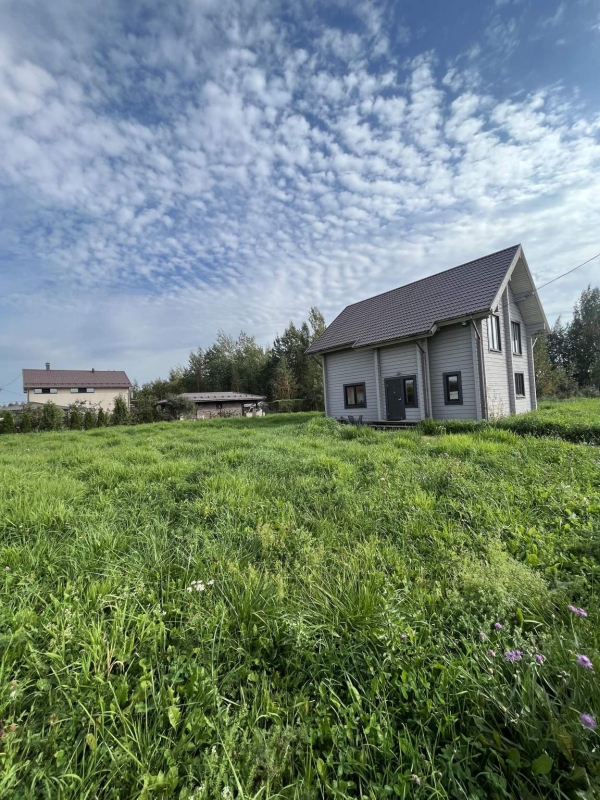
47,365
93,370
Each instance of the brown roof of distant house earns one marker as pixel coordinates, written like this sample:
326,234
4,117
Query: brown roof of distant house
75,378
414,309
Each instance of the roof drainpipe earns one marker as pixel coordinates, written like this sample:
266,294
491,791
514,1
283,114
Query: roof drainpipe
425,371
482,384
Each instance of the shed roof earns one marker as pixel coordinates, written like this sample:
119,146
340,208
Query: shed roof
73,378
221,397
414,309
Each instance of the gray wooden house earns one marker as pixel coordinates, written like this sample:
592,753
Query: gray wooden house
455,345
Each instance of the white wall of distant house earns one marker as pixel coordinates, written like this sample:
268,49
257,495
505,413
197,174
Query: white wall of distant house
100,398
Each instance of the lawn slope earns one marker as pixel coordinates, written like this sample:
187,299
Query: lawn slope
292,608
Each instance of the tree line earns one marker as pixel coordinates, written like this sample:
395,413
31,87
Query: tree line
282,372
567,361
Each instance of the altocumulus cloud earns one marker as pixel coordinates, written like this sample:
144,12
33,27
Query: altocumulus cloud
170,169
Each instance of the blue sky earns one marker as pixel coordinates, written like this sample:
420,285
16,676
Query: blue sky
169,169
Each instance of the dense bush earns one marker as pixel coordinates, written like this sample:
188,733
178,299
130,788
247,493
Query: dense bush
120,412
101,419
88,420
8,423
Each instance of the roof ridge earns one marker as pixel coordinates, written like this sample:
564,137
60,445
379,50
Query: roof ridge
433,275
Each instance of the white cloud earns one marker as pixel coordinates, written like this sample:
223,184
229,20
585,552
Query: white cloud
209,171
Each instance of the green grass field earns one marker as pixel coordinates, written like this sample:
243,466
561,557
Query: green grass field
291,608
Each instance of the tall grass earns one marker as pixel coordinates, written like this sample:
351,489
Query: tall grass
333,648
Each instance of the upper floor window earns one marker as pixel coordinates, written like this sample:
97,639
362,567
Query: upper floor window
517,347
410,391
45,391
493,324
355,395
80,390
452,388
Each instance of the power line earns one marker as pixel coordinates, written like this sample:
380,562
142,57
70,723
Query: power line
558,277
2,388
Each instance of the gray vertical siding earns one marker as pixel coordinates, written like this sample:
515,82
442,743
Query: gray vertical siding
394,362
451,349
500,367
521,363
496,374
350,366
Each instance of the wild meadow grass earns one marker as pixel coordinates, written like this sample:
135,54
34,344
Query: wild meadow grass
291,608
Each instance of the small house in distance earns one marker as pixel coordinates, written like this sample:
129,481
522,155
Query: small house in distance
454,345
96,388
224,404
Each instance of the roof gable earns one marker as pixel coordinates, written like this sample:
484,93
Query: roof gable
414,309
73,378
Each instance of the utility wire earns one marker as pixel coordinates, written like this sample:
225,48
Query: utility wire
2,388
569,272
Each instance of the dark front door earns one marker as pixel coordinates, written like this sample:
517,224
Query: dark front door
394,399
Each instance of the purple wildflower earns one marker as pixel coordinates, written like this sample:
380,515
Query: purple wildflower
482,635
498,626
584,661
581,612
540,658
513,655
491,653
588,721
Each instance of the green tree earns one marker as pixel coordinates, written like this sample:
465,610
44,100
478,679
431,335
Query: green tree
88,420
550,380
8,422
75,420
284,386
101,418
25,426
52,417
120,412
583,339
177,406
307,370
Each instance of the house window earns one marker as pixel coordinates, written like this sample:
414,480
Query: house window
493,324
355,395
520,384
410,391
452,388
45,391
517,348
82,390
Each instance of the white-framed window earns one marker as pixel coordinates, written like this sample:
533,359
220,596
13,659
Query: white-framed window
83,390
517,347
45,391
494,341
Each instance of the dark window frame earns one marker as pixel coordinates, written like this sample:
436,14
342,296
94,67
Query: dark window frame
447,399
522,377
415,403
494,320
353,386
516,325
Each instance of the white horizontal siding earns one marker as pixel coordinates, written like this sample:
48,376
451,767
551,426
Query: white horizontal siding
395,362
450,349
520,363
496,373
350,366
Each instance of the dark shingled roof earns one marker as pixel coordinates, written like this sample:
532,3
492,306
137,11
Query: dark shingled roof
74,378
413,310
220,397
